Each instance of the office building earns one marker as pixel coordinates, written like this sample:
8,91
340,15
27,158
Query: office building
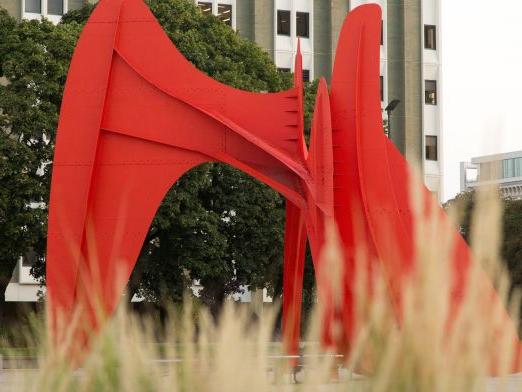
502,170
410,59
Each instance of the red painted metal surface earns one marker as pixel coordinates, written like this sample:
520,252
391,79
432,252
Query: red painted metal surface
136,115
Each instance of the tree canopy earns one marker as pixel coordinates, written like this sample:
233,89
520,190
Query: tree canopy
34,58
511,246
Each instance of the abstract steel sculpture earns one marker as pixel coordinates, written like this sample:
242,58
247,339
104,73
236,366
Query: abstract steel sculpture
136,115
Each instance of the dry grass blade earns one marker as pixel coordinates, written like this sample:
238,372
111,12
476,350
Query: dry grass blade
238,353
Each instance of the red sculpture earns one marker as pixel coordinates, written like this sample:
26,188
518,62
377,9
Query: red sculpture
136,115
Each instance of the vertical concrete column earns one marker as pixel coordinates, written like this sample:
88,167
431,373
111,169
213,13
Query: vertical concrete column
257,302
322,27
262,15
234,14
414,99
338,9
245,18
405,76
396,70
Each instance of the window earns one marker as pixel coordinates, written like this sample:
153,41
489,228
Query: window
285,70
507,168
51,8
512,168
302,24
225,13
55,7
382,88
205,7
430,37
306,75
431,148
471,174
430,92
283,22
33,6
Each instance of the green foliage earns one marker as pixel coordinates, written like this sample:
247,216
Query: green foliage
79,16
310,93
34,58
511,246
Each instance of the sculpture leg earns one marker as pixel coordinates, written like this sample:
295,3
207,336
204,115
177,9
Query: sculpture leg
130,179
295,246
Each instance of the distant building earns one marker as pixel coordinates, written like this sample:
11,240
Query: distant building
410,59
23,287
501,170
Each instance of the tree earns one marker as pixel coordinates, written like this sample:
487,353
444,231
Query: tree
511,246
233,235
34,58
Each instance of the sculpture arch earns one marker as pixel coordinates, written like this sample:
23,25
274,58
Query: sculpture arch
131,124
136,115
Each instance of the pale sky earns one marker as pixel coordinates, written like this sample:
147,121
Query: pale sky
482,81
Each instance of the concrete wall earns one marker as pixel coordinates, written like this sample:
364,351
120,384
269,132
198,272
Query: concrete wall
75,4
262,18
13,7
22,287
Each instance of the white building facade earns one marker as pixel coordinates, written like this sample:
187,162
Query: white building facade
50,9
432,111
502,170
23,287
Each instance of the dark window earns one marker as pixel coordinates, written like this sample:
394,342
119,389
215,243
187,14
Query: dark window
382,32
34,6
302,24
225,13
283,22
306,75
382,88
430,92
55,7
205,7
285,70
430,37
431,148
